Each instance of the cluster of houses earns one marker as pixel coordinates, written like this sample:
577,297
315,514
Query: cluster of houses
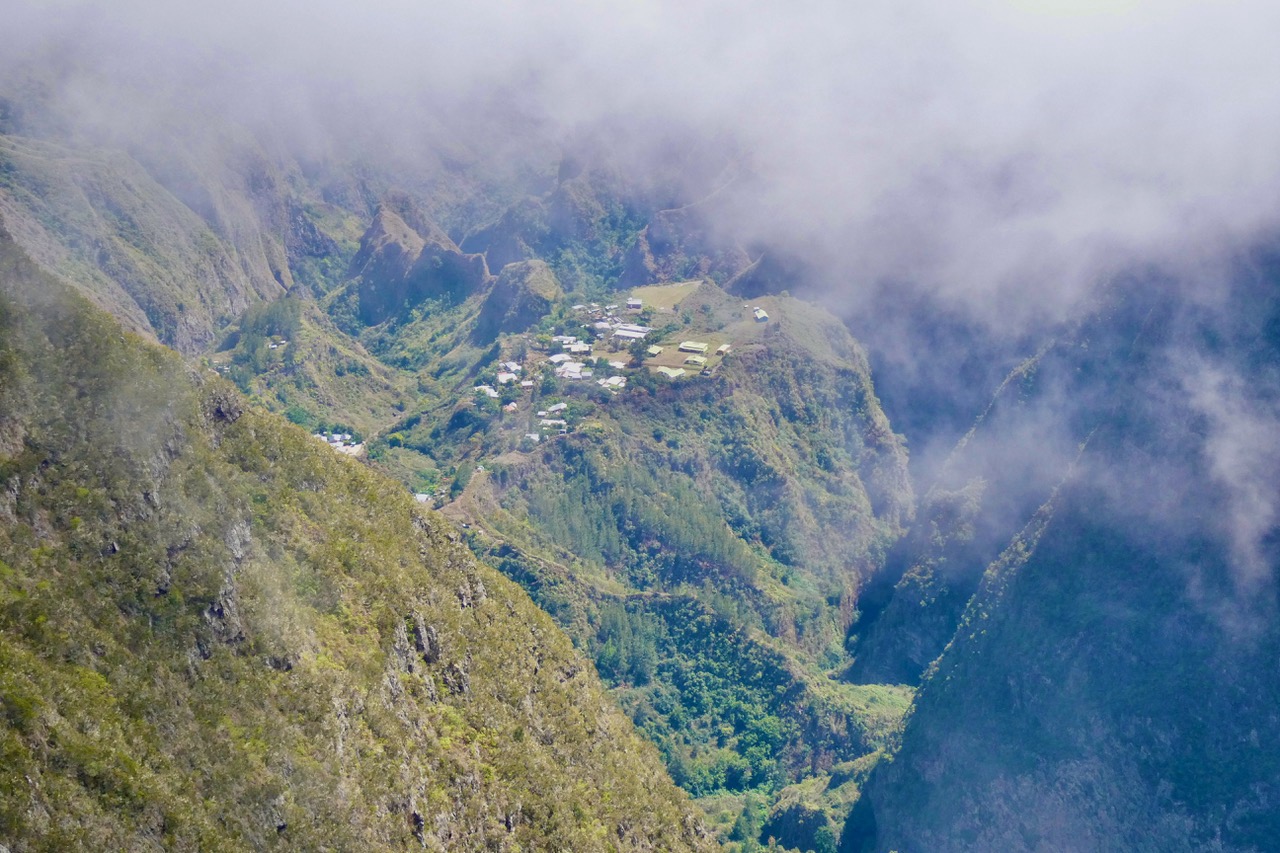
572,345
341,442
550,418
508,372
567,368
574,355
609,324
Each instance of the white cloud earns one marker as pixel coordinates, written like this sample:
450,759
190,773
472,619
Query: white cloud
1010,147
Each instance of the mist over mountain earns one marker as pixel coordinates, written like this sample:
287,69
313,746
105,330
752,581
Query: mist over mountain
967,543
995,165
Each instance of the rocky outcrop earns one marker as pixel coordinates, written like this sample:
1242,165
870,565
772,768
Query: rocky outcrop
676,245
399,267
513,237
522,295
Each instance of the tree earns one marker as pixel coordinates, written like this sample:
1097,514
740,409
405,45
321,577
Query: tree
824,840
746,829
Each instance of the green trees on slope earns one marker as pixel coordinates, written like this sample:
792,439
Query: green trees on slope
216,634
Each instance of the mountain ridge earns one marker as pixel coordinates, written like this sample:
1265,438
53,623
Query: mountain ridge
218,634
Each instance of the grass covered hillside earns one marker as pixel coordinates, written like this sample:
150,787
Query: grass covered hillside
289,356
215,633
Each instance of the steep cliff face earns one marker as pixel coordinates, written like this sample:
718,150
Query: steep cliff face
521,296
1112,683
677,245
135,248
399,267
1090,701
1017,451
215,633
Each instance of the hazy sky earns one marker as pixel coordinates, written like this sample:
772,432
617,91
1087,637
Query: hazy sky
1020,148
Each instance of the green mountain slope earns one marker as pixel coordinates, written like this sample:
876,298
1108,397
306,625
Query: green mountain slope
99,217
291,357
1016,453
217,634
704,539
1111,684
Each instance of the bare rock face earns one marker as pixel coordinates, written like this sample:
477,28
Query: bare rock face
223,615
456,678
388,248
426,640
11,436
221,406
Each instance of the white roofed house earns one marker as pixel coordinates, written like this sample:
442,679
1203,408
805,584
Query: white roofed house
634,304
694,346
